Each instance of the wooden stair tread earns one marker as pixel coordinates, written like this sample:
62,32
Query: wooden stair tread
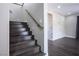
34,54
31,49
22,46
19,43
22,42
18,30
20,38
19,33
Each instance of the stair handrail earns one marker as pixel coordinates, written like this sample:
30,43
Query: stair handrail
38,25
19,4
34,19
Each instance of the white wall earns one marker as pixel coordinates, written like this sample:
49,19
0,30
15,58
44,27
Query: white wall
64,26
4,29
17,12
36,10
58,26
70,26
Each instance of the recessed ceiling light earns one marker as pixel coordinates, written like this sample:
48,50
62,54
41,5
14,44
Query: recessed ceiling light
58,6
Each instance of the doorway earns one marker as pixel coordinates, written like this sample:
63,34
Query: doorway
50,26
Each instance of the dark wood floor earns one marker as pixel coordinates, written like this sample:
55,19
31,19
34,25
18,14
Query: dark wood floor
64,47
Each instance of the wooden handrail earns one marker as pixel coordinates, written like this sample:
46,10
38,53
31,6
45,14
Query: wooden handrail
34,19
30,15
18,4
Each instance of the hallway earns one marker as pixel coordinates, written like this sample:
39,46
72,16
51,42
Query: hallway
64,47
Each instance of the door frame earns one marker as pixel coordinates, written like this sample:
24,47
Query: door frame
51,24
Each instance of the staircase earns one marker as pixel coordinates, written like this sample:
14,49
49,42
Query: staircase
22,42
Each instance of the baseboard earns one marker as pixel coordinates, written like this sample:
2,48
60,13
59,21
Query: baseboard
58,38
66,36
71,36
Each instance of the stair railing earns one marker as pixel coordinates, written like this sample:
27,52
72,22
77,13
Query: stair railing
34,19
38,25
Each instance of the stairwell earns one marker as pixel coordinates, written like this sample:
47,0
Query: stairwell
22,41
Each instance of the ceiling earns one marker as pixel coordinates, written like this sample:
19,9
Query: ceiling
64,8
